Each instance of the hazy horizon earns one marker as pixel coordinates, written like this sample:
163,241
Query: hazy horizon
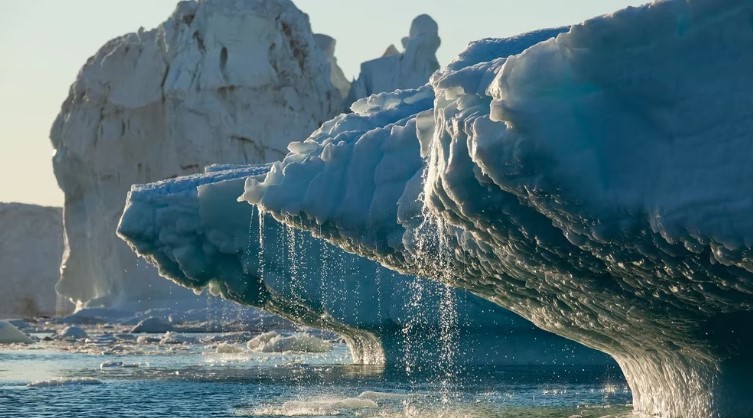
46,42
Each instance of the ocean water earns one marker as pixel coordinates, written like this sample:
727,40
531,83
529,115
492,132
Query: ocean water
113,375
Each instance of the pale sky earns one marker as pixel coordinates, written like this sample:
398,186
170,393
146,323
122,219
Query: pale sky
43,43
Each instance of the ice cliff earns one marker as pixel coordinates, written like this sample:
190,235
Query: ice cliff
194,229
31,247
598,184
219,81
400,70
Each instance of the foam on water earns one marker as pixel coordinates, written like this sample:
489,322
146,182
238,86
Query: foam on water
61,381
315,407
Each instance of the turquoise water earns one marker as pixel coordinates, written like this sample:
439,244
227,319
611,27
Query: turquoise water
193,380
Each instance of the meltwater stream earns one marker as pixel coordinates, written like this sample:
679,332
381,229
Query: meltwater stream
114,374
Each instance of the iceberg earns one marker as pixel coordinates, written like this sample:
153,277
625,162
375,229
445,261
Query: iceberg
199,235
31,247
9,334
597,184
400,70
218,81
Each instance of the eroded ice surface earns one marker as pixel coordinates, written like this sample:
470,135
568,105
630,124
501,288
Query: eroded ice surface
599,184
194,229
400,70
218,81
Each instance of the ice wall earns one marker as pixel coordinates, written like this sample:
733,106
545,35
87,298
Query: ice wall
219,81
201,237
598,184
400,70
31,247
327,44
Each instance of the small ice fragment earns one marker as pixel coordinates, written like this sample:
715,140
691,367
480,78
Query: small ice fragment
72,333
225,348
9,334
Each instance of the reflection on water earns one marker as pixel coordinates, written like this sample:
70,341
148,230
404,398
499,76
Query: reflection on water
191,379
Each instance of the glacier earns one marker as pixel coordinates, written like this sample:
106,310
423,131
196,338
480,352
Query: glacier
201,237
597,184
31,247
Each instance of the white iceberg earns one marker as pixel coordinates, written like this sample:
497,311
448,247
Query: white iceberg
218,81
31,247
400,70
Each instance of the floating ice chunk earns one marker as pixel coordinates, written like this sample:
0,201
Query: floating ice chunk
117,364
146,339
260,340
272,342
152,325
72,333
61,381
226,348
9,334
173,338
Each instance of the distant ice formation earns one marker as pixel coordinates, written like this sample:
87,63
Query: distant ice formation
219,81
194,229
598,184
31,247
9,334
400,70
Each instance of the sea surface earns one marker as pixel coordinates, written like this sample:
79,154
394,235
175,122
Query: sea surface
113,374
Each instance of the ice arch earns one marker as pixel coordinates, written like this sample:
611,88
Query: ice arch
194,229
598,184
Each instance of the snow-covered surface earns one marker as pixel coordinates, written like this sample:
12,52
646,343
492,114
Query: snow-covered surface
400,70
194,229
599,184
9,334
219,81
31,247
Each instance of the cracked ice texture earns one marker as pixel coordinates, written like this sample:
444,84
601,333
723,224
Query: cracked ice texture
598,184
219,81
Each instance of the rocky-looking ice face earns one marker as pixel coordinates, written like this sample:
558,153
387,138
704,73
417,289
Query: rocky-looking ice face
400,70
219,81
598,184
31,246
